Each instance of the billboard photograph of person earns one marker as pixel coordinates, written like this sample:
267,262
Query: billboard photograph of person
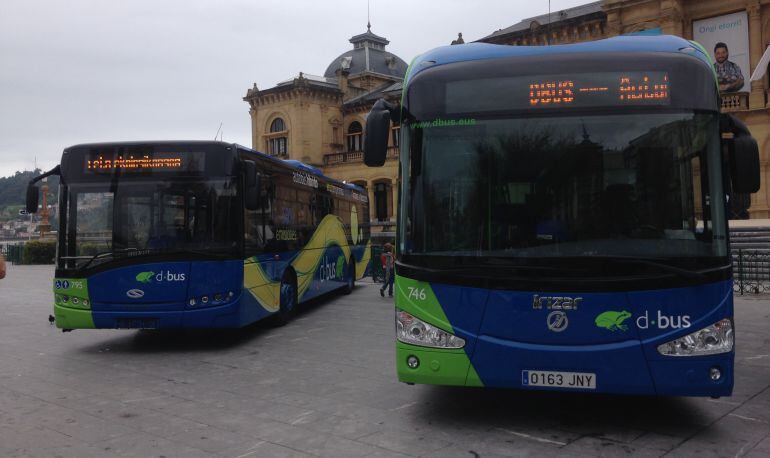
728,37
728,72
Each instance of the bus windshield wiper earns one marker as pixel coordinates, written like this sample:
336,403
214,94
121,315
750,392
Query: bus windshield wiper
139,252
212,254
485,269
104,254
686,273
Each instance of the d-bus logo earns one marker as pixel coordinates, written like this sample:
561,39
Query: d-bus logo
168,276
329,270
663,321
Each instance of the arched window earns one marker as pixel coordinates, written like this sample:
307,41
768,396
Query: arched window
381,197
355,137
277,125
277,138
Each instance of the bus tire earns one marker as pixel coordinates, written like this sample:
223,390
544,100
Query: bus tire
288,299
351,283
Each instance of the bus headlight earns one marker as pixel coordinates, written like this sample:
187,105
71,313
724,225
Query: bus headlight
414,331
711,340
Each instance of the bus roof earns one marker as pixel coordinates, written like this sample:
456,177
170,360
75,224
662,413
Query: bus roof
625,44
302,167
288,163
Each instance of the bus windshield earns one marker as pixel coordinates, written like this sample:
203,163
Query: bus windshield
105,220
618,184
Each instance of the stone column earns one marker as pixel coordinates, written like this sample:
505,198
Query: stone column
671,10
254,134
757,96
370,190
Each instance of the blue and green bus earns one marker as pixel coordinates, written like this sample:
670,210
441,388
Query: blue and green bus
156,235
562,220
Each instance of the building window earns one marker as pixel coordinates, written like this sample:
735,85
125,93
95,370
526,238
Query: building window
396,131
381,191
355,137
277,139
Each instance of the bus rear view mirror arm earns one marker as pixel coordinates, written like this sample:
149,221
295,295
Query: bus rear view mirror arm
377,132
743,155
33,195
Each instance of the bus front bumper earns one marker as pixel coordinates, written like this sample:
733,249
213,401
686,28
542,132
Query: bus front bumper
620,368
230,315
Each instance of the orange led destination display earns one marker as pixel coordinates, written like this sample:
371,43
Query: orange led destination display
616,88
150,162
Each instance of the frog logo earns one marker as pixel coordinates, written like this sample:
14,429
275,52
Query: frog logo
613,320
144,277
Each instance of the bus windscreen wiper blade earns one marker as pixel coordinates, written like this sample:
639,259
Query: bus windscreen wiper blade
690,274
106,254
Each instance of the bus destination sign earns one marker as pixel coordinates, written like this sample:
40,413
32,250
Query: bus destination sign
628,88
144,162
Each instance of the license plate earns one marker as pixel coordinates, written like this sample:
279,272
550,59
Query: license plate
580,380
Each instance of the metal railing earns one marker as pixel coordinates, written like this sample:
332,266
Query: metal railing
751,271
354,156
13,253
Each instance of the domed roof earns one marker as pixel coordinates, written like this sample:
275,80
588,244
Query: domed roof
368,55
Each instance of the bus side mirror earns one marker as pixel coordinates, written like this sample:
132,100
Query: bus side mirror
377,133
33,196
743,155
744,165
252,186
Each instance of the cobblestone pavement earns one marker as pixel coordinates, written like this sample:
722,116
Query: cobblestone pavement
325,385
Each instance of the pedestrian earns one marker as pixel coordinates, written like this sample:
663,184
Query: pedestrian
386,258
2,266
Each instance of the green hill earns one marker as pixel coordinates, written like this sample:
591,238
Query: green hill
13,191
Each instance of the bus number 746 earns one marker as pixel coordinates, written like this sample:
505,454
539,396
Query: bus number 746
416,293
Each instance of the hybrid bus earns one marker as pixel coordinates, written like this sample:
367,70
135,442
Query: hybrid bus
198,235
562,217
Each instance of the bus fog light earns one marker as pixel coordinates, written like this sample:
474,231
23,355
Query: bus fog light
413,362
715,374
192,302
414,331
711,340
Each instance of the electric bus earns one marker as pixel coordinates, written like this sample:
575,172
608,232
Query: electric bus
156,235
562,217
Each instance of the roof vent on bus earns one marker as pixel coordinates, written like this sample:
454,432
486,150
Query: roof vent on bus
303,166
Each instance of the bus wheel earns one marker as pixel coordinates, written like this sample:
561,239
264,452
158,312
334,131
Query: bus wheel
288,300
351,277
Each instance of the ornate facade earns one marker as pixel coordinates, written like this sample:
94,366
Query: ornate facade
319,120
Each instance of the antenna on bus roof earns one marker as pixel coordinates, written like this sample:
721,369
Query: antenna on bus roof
217,134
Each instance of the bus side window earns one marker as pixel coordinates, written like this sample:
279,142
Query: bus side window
254,231
304,222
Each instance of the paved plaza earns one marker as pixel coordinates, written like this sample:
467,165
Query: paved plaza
325,385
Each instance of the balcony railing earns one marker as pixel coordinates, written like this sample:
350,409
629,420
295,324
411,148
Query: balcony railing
354,156
735,101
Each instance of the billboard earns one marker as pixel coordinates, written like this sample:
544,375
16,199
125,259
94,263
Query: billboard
733,31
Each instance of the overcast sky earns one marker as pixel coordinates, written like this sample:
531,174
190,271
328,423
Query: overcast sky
80,71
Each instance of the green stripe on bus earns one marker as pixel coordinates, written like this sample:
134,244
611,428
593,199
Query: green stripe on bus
438,365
